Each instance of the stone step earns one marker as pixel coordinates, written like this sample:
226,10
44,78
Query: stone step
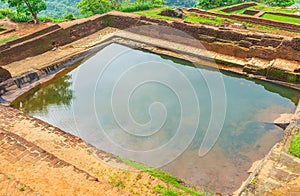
76,153
10,186
44,172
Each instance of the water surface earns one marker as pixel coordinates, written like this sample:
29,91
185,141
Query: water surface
91,101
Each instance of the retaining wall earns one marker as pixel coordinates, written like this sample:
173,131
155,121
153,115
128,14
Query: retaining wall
284,14
238,7
47,41
251,19
221,40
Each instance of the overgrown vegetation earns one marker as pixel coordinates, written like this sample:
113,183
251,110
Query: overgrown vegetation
162,175
58,8
166,191
155,13
295,146
282,18
6,39
91,7
2,28
209,4
27,7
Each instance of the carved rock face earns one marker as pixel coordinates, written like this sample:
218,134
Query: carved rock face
4,75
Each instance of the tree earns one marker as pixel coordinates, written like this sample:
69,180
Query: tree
28,7
91,7
116,4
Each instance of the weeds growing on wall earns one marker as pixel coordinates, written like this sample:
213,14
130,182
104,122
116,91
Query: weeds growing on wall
295,146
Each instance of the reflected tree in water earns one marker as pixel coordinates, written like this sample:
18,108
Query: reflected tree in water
58,92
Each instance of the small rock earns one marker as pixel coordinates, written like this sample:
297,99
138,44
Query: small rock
284,120
178,13
238,26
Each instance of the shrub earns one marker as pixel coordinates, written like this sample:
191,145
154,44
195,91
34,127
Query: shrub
6,12
21,18
68,16
295,146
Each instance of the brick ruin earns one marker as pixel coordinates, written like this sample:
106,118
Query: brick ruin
228,41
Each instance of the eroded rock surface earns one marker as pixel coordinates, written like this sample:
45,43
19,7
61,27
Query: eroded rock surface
4,75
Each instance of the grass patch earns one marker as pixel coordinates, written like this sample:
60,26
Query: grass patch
166,191
6,39
22,188
193,17
46,18
254,181
2,28
276,9
259,6
281,18
295,146
154,13
162,175
119,184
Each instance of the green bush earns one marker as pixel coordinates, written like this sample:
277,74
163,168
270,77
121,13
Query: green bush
7,13
68,16
21,18
295,146
133,7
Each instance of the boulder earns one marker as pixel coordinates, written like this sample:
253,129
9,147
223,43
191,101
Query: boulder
238,26
178,13
4,75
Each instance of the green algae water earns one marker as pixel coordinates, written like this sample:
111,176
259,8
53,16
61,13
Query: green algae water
111,102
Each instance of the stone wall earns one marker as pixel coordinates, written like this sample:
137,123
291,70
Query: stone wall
4,75
254,20
221,40
47,41
251,12
238,7
217,39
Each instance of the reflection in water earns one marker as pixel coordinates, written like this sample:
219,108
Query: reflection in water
57,93
247,134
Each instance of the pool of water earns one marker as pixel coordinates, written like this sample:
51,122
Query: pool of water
160,110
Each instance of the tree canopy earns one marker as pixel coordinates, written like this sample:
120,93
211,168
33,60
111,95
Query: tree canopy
29,7
91,7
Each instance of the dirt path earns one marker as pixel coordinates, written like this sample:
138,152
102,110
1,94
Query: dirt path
21,29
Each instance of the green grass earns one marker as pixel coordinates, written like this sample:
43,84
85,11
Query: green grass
193,17
55,20
295,146
282,18
162,175
154,13
166,191
2,28
6,39
276,9
259,6
22,188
